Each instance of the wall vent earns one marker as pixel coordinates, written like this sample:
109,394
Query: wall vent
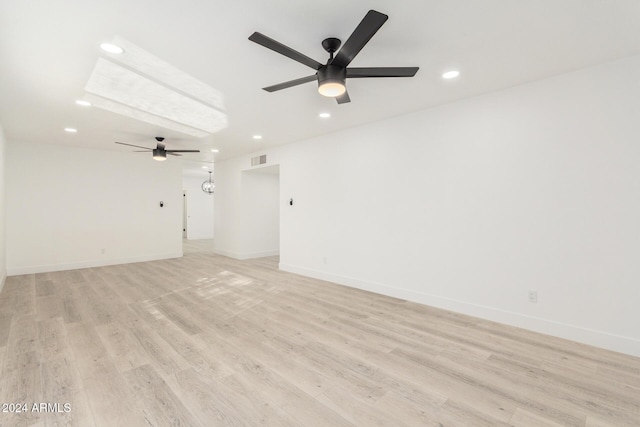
259,160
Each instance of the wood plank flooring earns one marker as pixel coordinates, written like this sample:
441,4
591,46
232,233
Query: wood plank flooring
210,341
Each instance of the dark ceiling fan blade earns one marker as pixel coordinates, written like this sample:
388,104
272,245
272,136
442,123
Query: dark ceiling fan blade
131,145
270,43
173,154
182,151
290,83
344,98
381,72
369,25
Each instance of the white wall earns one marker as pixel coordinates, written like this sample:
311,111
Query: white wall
470,205
247,210
227,210
199,207
66,204
3,249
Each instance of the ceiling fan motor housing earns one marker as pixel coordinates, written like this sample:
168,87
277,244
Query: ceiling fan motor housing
331,80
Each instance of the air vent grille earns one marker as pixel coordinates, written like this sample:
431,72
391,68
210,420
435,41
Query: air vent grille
259,160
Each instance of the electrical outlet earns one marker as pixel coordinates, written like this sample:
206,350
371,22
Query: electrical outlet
533,296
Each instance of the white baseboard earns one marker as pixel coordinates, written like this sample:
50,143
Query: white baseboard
200,237
588,336
261,254
250,255
15,271
226,253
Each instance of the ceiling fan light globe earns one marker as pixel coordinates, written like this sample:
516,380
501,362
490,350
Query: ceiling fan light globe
159,155
331,80
331,88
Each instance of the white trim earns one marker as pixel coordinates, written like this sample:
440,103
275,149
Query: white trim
226,253
261,254
200,237
88,264
4,278
593,337
250,255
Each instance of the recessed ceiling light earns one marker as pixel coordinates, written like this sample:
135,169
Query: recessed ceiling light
83,103
71,130
451,74
205,167
214,150
324,115
111,48
257,136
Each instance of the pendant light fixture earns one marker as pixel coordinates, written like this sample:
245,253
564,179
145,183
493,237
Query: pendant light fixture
208,186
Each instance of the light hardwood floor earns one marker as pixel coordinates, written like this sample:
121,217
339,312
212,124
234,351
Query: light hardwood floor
206,340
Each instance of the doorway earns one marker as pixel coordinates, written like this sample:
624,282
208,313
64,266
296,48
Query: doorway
261,203
184,214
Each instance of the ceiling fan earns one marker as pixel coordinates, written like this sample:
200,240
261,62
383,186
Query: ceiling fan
332,76
160,153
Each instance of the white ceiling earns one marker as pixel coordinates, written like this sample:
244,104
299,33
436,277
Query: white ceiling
48,50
